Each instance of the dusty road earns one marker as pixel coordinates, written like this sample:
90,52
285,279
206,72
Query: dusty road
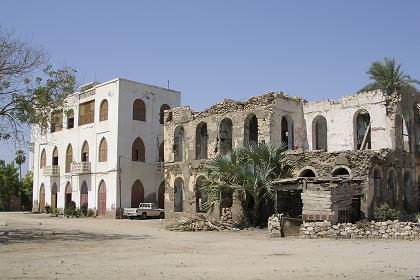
41,247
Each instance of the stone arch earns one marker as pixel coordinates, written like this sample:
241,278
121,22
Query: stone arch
139,110
341,171
67,194
319,133
179,142
287,132
137,194
201,196
101,199
85,152
225,136
308,171
54,191
162,110
161,195
251,130
362,130
179,195
84,194
103,110
138,150
201,137
408,195
41,198
392,188
69,158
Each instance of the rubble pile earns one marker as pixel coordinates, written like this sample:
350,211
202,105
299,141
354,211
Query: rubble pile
197,222
274,226
363,230
226,217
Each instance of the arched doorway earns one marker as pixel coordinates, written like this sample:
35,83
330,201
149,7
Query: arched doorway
362,129
377,186
319,133
84,196
287,128
102,199
137,194
201,137
225,136
179,144
178,195
54,191
67,195
201,197
392,187
41,198
251,130
408,185
161,196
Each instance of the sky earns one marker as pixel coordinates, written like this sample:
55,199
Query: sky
212,50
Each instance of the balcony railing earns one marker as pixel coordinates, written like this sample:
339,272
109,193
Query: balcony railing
52,170
31,146
160,167
80,167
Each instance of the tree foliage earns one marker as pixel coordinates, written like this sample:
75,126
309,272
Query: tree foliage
250,172
9,181
388,77
30,89
26,192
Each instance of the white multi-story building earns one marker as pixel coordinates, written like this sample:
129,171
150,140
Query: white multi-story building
104,149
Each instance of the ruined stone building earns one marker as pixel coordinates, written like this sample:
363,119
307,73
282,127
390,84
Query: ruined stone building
347,155
104,149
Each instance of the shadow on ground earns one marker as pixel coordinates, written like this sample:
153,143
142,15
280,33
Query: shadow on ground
38,235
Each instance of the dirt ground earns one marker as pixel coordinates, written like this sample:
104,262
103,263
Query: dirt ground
42,247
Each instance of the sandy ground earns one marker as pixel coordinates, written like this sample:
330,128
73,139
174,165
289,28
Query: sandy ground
41,247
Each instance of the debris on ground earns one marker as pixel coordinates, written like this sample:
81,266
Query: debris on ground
197,222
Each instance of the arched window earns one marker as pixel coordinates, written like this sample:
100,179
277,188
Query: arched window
84,195
406,132
201,137
43,160
139,110
225,136
70,119
67,195
319,133
103,150
163,108
161,152
161,195
178,147
137,194
362,128
251,130
377,186
408,187
307,173
103,110
102,199
41,198
54,191
341,172
56,121
138,151
69,158
392,188
55,156
287,127
85,151
179,195
201,196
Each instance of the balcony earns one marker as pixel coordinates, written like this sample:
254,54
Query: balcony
80,167
31,146
160,167
52,170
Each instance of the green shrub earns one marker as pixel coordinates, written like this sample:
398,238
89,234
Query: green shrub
47,209
384,213
84,209
55,212
71,211
90,213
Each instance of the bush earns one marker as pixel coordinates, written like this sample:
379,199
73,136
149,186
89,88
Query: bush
71,210
55,212
84,209
47,209
90,213
363,225
384,213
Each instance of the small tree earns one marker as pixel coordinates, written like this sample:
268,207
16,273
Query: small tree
384,213
20,159
9,182
26,193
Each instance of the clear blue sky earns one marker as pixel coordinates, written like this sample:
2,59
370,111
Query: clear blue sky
211,50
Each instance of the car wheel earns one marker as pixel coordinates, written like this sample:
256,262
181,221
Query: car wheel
162,215
144,216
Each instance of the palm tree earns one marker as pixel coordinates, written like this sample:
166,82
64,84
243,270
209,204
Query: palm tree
20,159
249,171
388,77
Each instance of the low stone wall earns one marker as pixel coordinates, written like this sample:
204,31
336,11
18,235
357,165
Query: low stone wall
366,230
